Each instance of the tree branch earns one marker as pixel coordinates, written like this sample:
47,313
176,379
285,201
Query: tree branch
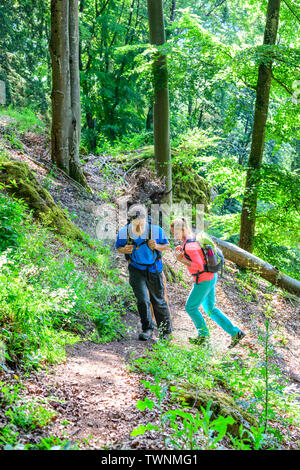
102,9
172,11
290,8
282,84
217,5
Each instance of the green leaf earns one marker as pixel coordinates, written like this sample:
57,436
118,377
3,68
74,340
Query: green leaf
142,405
140,430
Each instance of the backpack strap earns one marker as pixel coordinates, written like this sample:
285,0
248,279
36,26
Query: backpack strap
130,240
197,274
157,252
189,240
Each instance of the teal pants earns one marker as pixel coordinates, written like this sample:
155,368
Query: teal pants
204,294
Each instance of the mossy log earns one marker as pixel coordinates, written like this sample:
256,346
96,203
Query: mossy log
222,404
19,181
190,186
170,273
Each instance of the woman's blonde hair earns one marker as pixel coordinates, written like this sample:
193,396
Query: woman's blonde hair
180,223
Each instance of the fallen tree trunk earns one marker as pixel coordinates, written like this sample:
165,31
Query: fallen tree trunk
221,404
264,269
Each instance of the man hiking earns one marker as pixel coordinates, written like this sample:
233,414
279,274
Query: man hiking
142,244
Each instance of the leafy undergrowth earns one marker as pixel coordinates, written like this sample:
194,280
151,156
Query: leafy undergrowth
53,292
27,418
20,121
254,383
251,377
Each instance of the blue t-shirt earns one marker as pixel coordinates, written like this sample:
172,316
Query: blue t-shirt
141,252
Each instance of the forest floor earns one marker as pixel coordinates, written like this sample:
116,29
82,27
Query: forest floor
95,392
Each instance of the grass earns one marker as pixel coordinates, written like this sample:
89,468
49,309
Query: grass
254,383
25,119
53,291
25,415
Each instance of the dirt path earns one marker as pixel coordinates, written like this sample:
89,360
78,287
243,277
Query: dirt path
100,396
97,393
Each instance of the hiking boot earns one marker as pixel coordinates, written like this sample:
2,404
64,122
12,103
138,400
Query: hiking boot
145,335
199,340
236,339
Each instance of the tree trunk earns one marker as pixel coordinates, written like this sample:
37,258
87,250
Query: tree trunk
199,124
149,118
171,19
172,11
248,216
61,99
75,128
190,108
161,124
66,122
260,267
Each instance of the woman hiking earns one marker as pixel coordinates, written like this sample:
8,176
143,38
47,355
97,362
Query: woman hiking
142,244
203,292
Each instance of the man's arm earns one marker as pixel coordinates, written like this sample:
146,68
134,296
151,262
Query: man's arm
125,250
158,246
160,242
121,243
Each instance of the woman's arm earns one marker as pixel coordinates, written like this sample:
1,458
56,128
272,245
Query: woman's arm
180,257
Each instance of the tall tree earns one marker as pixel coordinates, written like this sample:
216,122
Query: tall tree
161,122
23,53
64,49
248,216
111,98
